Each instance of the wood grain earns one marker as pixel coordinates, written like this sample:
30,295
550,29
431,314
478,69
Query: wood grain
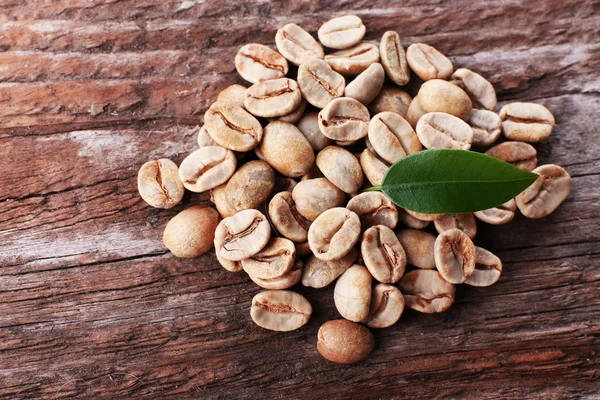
93,306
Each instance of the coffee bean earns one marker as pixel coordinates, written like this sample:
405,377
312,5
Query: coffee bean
437,130
256,63
427,62
392,137
438,95
284,281
353,61
273,98
374,208
315,196
374,168
159,184
414,112
454,255
218,196
284,184
392,99
314,173
486,126
206,168
352,294
426,291
344,342
297,45
367,85
344,119
393,58
425,216
280,310
190,233
303,249
231,266
409,221
232,127
419,247
520,154
479,89
498,215
318,273
383,254
334,233
309,126
526,122
250,185
293,116
387,305
546,193
286,219
242,235
341,168
234,94
488,269
464,222
204,138
319,83
342,32
273,261
286,149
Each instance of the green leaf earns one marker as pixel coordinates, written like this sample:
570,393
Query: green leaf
453,181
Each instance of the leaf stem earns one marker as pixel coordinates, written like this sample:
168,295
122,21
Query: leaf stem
374,189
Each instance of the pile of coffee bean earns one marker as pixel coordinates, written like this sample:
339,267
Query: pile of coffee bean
285,161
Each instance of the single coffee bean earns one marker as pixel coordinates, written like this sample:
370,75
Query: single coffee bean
218,196
374,168
409,221
303,249
392,99
286,219
342,32
318,273
426,291
204,138
526,122
242,235
374,208
425,216
273,261
315,196
414,112
486,126
344,119
498,215
419,247
464,222
284,281
520,154
344,342
353,61
352,294
393,58
427,62
334,233
280,310
286,149
367,85
190,233
319,83
297,45
546,193
206,168
479,89
159,184
293,116
232,127
234,94
438,95
309,126
284,184
341,168
273,98
454,255
383,254
387,305
256,63
392,137
438,130
231,266
250,185
488,269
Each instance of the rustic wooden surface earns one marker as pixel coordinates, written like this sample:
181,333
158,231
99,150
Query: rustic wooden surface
93,306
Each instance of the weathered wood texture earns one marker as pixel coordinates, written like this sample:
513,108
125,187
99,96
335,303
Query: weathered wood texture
93,306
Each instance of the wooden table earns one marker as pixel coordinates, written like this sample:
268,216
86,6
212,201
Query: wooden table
93,306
